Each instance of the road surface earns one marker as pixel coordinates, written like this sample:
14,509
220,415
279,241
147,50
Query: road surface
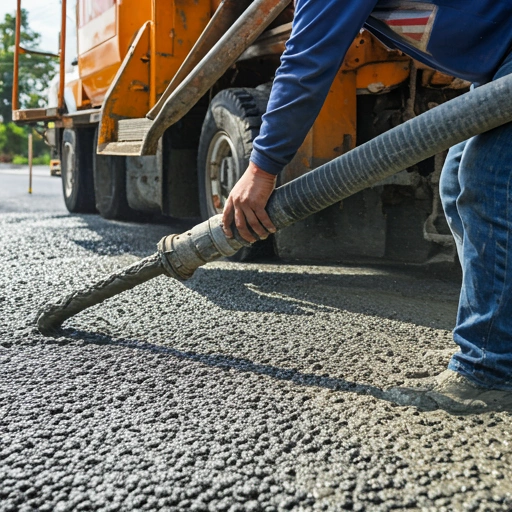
252,387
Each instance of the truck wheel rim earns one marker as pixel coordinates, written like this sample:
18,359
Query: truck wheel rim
69,175
222,171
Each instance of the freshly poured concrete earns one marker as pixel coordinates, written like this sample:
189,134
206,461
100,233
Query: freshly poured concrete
250,387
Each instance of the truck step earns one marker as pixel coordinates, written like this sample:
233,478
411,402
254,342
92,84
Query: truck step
133,129
130,135
127,148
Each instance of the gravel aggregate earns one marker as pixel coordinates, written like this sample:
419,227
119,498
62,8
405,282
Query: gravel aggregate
252,387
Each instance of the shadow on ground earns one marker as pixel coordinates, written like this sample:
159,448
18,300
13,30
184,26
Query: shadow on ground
375,292
408,397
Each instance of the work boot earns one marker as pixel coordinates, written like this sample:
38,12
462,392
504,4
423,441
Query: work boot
453,393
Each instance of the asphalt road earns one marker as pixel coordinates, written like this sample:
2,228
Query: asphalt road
252,387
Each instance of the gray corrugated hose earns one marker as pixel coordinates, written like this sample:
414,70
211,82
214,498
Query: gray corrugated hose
179,256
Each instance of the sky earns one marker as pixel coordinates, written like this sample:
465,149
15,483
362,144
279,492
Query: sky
44,17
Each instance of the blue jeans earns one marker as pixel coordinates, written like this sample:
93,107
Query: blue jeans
476,191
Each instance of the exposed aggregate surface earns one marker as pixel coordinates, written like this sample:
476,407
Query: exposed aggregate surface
252,387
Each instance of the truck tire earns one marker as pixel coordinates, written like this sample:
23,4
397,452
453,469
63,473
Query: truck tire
232,123
76,170
110,186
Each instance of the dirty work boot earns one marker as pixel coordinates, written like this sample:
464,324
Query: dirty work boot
455,394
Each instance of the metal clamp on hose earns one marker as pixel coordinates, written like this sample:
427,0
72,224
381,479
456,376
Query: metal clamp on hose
168,257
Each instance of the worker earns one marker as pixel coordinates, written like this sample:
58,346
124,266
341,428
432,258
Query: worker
469,39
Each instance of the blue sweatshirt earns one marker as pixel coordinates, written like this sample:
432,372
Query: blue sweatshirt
464,38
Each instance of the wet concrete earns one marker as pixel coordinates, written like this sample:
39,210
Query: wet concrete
249,388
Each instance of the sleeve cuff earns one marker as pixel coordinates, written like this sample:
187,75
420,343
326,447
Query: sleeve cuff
265,163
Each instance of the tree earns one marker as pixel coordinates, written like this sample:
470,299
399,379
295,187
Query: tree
35,71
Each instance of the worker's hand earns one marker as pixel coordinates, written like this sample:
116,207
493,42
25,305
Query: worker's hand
246,205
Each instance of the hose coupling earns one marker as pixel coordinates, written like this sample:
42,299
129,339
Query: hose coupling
182,254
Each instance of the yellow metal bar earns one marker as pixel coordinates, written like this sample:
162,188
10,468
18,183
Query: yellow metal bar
62,55
15,80
152,57
30,159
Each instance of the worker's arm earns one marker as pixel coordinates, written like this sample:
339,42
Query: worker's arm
322,32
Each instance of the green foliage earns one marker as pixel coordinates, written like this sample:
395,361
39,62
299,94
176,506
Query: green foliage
35,71
38,160
14,143
3,137
20,160
15,140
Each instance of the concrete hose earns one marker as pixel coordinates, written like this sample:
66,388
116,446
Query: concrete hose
179,256
478,111
53,315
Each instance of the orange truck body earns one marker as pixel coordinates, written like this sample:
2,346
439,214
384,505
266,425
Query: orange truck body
129,53
107,28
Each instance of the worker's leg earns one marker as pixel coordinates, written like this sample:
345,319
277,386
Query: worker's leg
484,322
449,188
